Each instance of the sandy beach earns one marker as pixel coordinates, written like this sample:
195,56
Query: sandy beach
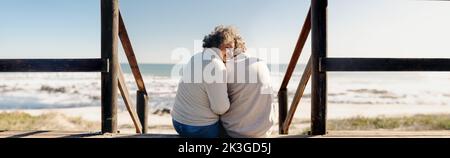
161,123
350,95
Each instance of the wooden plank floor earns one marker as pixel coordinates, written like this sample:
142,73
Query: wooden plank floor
65,134
378,134
331,134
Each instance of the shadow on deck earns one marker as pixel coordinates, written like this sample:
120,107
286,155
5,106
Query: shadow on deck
62,134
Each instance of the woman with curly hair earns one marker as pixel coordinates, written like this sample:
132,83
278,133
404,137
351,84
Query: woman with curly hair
202,93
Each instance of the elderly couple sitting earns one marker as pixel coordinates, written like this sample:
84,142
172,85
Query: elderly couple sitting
223,91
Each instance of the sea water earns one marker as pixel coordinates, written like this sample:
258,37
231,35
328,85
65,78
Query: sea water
66,90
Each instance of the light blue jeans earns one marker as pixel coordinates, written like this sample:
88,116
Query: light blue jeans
210,131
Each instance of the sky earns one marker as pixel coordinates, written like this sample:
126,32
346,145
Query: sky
369,28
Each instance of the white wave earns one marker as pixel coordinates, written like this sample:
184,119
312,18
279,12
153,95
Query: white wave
62,90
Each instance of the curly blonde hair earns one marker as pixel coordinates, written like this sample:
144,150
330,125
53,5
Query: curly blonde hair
224,35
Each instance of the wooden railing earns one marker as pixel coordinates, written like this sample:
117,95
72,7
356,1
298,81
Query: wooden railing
285,118
319,64
140,122
53,65
112,78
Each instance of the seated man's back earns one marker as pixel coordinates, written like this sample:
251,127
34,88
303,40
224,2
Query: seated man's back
250,92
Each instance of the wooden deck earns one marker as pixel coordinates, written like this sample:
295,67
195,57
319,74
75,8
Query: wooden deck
331,134
378,134
65,134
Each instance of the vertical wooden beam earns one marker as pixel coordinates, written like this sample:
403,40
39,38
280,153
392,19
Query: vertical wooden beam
319,79
282,109
142,109
109,52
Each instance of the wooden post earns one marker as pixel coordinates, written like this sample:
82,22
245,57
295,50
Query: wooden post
109,49
142,109
319,78
282,109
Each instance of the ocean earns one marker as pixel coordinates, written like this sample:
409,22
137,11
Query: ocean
67,90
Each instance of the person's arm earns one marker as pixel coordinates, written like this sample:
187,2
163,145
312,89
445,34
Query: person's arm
217,90
218,97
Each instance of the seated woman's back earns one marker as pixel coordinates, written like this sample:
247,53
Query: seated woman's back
199,100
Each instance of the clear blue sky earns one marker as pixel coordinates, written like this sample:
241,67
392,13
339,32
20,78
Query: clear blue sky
369,28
